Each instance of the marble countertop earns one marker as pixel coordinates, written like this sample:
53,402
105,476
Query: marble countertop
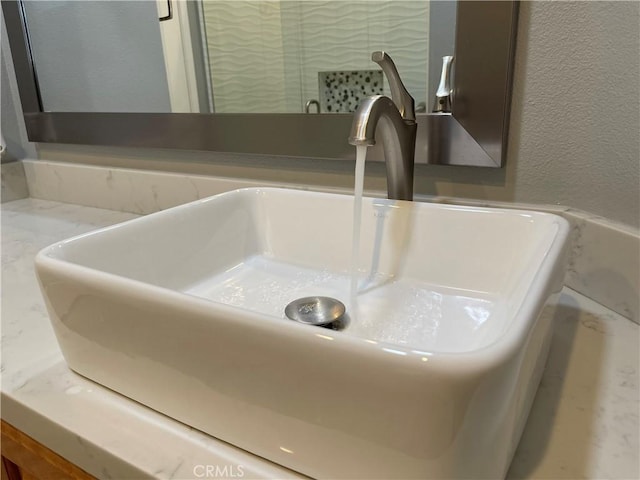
583,424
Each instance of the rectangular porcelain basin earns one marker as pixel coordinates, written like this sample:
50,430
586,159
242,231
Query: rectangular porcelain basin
433,377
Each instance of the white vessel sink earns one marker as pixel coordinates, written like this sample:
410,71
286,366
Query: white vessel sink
183,311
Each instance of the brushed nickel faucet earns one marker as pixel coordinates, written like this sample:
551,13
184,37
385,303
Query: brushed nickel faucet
395,121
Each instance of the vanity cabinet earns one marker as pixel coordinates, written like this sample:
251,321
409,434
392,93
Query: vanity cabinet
25,459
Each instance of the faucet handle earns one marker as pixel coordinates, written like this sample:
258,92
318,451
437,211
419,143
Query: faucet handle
399,94
443,93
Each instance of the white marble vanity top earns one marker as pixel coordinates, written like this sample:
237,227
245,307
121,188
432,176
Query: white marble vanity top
583,424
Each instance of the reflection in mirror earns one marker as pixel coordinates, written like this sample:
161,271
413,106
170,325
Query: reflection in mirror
474,133
271,56
231,56
115,56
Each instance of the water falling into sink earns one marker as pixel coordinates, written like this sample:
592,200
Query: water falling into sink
361,154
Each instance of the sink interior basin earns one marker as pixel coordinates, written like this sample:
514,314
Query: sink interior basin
445,323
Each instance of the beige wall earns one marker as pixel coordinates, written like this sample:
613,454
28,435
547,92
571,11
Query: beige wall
576,119
574,128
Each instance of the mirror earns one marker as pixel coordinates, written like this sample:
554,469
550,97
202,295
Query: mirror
229,56
73,92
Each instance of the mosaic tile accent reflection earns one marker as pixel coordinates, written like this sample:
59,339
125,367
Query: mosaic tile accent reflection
341,92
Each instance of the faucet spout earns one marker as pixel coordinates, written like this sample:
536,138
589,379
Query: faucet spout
379,115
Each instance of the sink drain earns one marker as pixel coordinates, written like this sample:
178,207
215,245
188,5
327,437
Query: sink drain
324,312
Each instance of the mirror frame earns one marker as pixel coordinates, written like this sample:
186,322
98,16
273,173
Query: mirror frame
474,133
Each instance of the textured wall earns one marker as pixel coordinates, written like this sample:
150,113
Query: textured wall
574,129
265,56
575,136
244,42
340,36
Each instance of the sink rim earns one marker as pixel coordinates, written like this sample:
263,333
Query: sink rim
479,358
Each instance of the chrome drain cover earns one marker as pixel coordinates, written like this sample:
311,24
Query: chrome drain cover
319,311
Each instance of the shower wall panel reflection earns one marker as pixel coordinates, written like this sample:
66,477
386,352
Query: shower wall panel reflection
275,56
